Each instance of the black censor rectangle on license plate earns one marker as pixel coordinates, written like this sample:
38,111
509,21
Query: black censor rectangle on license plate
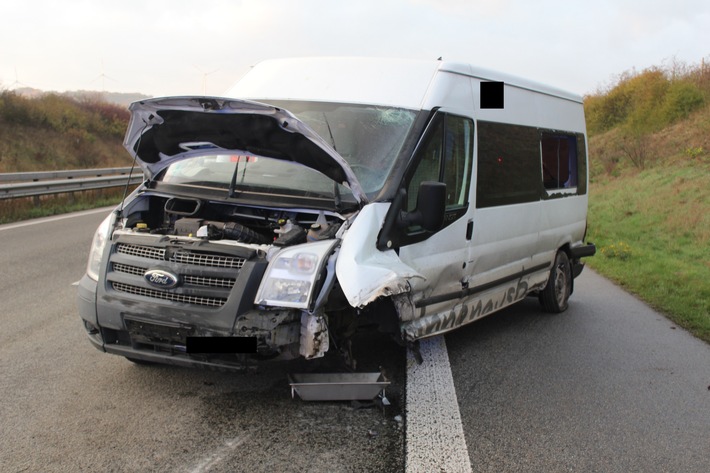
221,345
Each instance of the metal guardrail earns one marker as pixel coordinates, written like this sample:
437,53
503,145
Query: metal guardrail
35,184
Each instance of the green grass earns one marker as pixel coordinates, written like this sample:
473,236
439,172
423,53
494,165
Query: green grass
652,232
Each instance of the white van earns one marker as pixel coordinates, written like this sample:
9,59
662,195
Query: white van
323,195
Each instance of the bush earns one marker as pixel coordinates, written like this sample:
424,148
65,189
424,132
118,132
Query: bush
59,113
645,102
59,132
681,99
107,119
618,250
15,109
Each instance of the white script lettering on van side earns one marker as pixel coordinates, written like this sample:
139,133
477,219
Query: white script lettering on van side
470,310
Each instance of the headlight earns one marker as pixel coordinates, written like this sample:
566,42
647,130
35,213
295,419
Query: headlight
97,248
291,276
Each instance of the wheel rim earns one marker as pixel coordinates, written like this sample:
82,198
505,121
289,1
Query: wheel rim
561,284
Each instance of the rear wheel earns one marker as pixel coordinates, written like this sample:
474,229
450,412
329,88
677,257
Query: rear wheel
555,296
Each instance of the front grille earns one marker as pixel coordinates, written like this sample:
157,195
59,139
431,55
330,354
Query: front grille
128,269
182,256
141,251
169,296
209,282
206,275
202,281
199,259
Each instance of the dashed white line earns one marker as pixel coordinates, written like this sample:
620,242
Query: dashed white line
435,439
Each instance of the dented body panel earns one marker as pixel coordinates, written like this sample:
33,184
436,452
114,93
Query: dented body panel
364,272
292,213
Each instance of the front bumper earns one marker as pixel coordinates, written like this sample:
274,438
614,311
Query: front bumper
578,252
278,334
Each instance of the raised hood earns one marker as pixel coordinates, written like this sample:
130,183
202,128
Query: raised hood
165,130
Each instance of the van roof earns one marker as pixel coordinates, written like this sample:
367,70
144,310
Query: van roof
378,81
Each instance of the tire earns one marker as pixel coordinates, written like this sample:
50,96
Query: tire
554,297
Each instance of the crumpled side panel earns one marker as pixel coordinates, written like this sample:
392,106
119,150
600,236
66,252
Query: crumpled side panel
364,272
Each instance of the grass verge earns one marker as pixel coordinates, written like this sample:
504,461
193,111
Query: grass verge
652,232
14,210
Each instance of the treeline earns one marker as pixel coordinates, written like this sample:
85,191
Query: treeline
59,132
624,120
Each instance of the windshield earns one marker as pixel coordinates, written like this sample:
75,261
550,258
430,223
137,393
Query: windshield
368,137
252,173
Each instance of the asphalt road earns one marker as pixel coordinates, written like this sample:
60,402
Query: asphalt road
607,386
65,406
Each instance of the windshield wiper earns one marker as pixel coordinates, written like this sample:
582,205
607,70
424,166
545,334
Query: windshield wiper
233,181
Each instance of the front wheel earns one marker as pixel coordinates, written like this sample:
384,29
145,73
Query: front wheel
555,296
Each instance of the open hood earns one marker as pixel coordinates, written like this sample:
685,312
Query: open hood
165,130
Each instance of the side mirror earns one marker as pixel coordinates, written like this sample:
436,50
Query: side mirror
431,203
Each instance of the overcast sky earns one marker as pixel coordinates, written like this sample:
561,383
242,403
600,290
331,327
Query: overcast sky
178,47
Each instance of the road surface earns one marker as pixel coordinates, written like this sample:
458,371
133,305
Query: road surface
610,385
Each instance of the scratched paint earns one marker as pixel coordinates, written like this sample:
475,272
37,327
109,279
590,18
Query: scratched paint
471,309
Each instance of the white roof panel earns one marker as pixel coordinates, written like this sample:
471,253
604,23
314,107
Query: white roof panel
377,81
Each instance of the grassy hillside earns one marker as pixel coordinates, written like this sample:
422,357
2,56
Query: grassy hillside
650,189
55,132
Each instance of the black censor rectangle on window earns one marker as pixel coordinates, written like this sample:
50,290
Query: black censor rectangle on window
492,95
221,345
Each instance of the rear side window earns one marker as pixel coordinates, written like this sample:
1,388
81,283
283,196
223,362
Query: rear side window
518,164
559,161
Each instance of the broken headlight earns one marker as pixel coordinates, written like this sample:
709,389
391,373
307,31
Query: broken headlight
291,276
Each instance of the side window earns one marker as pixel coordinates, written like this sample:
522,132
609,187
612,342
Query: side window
508,164
458,154
429,161
559,161
446,156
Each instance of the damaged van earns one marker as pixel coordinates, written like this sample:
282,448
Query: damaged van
324,196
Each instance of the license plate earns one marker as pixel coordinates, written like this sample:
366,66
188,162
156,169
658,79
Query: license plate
150,332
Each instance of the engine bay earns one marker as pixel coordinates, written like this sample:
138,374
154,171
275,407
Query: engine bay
224,221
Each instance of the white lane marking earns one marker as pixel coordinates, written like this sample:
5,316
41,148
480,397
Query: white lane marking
218,455
55,218
435,439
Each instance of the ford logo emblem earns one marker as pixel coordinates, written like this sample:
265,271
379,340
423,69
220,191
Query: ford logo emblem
161,279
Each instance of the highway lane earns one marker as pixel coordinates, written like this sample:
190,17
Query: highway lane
64,406
610,385
607,386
